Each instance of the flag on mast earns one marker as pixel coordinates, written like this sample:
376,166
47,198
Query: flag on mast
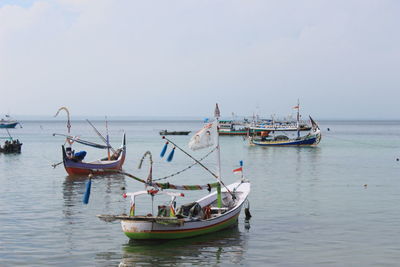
206,137
238,170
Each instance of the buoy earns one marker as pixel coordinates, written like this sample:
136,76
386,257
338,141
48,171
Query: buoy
86,196
171,155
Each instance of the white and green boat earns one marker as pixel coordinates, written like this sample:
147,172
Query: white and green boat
216,211
201,217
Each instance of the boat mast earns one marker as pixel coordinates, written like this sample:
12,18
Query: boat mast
298,118
108,140
217,114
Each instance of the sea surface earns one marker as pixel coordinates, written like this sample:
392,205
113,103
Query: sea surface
337,204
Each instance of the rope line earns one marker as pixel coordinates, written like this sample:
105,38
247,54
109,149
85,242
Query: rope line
187,168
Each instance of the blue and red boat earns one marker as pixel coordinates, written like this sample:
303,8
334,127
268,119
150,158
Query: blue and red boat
74,164
311,139
8,122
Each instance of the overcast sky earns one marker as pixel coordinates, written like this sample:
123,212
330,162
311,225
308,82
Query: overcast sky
178,58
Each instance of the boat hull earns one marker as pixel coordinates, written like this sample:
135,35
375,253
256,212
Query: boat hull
304,141
8,125
174,133
74,167
152,230
82,168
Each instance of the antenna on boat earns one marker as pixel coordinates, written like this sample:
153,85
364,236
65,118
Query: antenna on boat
298,117
107,140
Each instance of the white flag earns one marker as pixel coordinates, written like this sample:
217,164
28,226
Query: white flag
206,137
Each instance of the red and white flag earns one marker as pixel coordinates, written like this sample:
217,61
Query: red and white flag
238,170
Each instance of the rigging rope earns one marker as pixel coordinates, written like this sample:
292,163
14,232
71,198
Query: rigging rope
185,169
171,186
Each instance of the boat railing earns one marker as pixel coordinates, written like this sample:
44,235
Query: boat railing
153,192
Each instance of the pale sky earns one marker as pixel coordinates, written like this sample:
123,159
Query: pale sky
178,58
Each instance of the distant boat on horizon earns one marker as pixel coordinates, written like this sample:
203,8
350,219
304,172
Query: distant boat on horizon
165,132
8,122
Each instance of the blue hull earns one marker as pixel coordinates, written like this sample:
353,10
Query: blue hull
292,142
8,125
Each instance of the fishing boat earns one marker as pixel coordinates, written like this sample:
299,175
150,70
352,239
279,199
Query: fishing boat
232,128
165,132
311,139
11,145
215,211
74,161
74,164
8,122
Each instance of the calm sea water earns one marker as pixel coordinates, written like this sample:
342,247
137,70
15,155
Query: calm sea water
332,205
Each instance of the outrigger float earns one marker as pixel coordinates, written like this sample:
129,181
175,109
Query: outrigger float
73,161
216,211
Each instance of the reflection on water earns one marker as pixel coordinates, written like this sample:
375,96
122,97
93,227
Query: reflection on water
74,188
79,219
226,246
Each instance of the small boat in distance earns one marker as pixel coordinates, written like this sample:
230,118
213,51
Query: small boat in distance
8,122
232,128
165,132
311,139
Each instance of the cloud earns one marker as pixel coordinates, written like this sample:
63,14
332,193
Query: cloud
180,57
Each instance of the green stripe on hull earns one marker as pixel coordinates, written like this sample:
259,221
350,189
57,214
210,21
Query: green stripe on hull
183,233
